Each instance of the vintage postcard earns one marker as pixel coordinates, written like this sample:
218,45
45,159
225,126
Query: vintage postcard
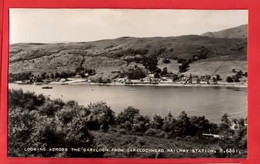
127,83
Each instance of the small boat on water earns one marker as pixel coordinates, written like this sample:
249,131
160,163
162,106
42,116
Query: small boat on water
23,82
47,87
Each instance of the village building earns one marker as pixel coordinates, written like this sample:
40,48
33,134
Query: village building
146,80
135,81
151,75
86,74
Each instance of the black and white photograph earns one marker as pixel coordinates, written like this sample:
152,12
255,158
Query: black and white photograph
127,83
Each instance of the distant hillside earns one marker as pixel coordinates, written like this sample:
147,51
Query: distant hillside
236,32
110,56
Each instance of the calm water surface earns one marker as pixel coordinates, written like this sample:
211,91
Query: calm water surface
209,101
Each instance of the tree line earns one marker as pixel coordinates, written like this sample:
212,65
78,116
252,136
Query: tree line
33,77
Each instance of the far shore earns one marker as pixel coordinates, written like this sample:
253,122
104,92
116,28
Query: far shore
162,84
176,84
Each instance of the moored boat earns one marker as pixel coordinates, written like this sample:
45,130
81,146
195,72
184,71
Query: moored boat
47,87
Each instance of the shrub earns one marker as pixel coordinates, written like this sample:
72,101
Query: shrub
150,132
102,80
164,71
199,125
239,74
132,121
184,66
20,76
140,124
150,62
218,78
18,98
233,138
202,52
161,134
49,108
235,78
102,115
229,79
135,73
157,121
50,124
182,124
127,115
21,125
166,61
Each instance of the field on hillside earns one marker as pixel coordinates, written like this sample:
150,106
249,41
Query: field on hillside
207,67
113,55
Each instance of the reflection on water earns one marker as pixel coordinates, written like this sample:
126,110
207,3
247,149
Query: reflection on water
212,102
237,89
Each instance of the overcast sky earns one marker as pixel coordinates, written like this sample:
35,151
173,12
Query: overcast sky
72,25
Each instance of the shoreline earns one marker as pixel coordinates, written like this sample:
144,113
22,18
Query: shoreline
163,85
232,85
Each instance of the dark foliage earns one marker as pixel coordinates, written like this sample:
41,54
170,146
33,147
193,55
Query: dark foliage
20,76
234,135
37,121
166,61
236,77
229,79
150,63
184,66
202,52
135,73
164,71
30,77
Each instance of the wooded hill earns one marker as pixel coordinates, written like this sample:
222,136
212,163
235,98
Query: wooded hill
219,52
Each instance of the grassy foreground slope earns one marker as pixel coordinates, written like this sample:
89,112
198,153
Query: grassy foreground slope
172,148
